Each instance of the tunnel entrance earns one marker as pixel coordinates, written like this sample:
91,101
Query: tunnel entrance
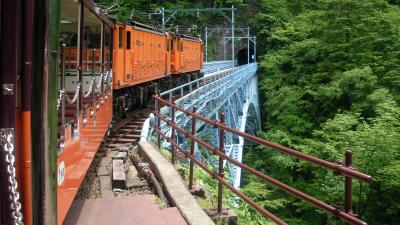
242,56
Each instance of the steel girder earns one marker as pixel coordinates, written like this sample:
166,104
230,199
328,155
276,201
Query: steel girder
235,94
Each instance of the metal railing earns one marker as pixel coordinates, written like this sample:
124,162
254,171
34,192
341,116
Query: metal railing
210,67
96,92
342,169
195,84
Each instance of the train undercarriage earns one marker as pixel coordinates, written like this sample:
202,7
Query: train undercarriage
138,97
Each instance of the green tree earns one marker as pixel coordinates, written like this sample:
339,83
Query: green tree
330,82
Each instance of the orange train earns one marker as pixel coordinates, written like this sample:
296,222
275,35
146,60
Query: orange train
143,54
58,109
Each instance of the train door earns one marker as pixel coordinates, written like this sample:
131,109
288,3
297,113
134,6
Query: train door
135,46
118,59
147,53
175,56
168,54
140,54
129,57
182,55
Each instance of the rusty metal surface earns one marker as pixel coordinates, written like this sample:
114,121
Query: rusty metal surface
221,162
225,183
191,150
340,169
138,210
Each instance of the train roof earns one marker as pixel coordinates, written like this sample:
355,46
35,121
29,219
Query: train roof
142,26
98,12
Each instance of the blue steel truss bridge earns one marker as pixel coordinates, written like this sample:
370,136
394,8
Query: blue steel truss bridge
232,90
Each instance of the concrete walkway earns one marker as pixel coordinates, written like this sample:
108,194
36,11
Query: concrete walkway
127,210
173,183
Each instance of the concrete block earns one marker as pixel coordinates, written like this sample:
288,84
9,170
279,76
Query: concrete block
118,175
121,155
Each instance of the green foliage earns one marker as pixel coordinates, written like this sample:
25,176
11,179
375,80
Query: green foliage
330,83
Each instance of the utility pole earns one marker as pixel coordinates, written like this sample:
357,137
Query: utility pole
168,14
210,31
249,39
233,36
248,45
224,47
255,49
163,18
206,48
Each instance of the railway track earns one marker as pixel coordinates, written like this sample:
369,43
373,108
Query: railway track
120,145
120,186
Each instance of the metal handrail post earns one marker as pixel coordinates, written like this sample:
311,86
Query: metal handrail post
348,184
192,143
62,85
93,77
173,131
221,162
157,104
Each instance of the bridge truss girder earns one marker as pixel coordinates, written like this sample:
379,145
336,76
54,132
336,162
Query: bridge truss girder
236,94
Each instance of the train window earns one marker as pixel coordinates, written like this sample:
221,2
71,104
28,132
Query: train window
120,36
128,40
107,47
69,36
91,48
69,39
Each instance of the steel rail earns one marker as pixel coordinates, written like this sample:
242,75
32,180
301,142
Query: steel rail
215,175
301,195
338,168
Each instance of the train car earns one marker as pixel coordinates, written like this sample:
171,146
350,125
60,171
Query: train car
143,60
187,54
85,113
59,84
59,107
140,55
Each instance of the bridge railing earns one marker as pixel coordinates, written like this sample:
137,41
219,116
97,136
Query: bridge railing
341,169
214,66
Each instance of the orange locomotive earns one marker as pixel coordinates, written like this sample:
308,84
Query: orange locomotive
60,113
145,57
143,54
